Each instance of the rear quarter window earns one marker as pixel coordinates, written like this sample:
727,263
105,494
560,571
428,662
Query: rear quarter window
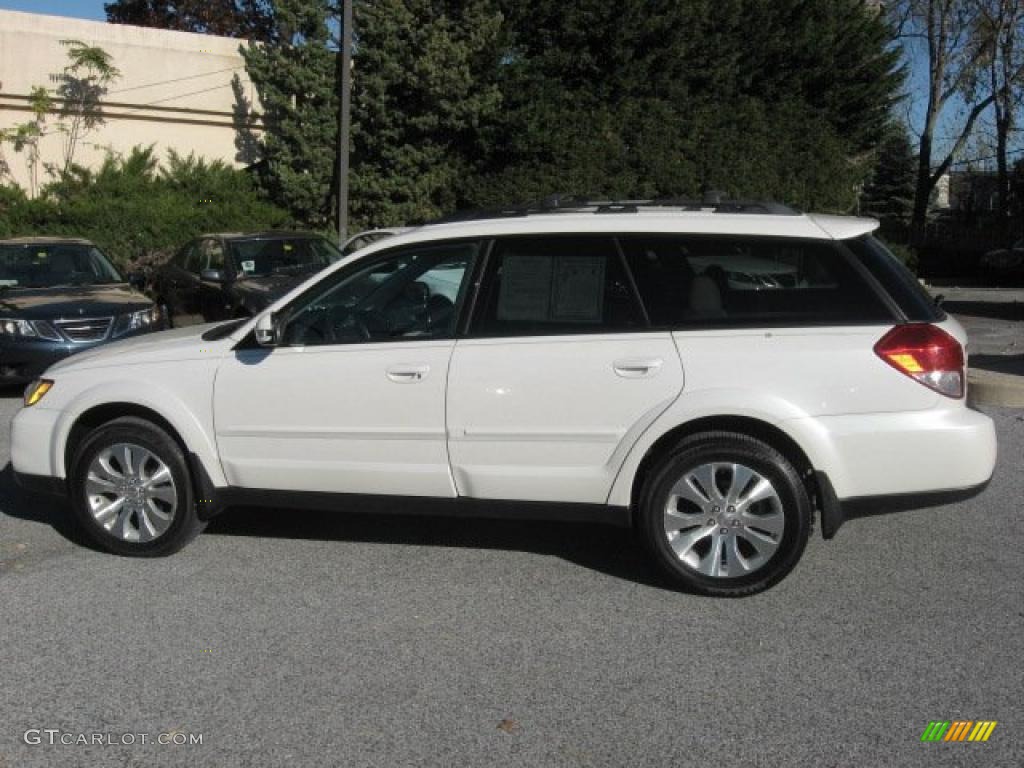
697,280
898,281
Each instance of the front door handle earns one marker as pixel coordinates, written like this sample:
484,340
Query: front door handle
637,368
407,374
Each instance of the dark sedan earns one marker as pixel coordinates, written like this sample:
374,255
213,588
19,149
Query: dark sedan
59,296
224,276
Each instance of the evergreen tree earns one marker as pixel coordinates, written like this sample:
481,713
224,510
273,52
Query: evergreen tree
422,87
295,76
778,98
889,195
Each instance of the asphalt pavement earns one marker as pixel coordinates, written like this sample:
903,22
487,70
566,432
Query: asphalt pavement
308,639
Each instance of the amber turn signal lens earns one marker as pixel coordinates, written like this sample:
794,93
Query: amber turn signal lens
36,390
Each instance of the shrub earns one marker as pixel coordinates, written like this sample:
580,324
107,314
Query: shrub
138,212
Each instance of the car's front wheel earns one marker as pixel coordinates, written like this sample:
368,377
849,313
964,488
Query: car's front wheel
725,514
132,490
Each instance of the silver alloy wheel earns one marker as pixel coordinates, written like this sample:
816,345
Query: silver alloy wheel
131,492
724,520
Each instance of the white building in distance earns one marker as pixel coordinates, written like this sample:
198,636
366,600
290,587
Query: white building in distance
177,90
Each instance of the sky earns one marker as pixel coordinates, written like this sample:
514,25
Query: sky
80,9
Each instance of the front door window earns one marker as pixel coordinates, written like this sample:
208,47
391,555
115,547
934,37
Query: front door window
411,295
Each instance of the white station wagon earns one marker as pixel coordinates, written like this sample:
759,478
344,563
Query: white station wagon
715,376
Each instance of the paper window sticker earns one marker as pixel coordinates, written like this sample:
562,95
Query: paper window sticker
579,289
249,266
525,288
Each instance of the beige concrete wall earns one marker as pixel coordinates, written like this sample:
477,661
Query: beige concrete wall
175,91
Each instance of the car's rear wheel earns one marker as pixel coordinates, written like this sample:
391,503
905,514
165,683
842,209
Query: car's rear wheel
132,490
725,515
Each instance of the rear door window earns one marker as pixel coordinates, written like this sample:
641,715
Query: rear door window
697,280
556,285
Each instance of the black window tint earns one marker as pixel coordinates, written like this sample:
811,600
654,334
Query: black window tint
695,280
556,285
898,281
192,259
181,258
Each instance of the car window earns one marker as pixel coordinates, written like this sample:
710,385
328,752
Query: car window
264,257
736,281
412,294
556,285
191,259
47,265
898,281
212,254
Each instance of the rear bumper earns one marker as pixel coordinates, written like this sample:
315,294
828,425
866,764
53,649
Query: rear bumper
900,454
835,512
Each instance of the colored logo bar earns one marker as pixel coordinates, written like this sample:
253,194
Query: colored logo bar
958,730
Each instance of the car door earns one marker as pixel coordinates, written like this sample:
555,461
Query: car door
558,376
352,399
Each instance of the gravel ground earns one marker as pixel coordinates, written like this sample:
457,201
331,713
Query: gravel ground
308,639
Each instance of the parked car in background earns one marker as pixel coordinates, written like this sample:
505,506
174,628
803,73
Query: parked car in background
531,364
370,236
225,276
1004,261
59,296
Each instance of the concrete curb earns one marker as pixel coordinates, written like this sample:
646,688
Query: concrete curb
991,388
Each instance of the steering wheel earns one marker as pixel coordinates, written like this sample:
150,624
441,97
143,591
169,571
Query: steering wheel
331,323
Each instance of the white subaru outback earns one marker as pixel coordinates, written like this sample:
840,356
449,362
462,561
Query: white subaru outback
714,376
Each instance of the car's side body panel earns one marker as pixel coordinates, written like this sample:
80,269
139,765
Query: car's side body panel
356,418
551,418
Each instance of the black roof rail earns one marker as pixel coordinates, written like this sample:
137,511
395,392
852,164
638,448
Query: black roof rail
552,204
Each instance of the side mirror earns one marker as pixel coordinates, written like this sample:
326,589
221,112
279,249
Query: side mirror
212,275
268,331
137,281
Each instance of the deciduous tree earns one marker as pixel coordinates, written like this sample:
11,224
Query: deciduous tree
249,19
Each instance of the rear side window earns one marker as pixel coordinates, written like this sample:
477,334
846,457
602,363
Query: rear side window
898,281
697,280
556,285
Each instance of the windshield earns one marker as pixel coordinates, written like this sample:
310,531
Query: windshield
282,256
52,265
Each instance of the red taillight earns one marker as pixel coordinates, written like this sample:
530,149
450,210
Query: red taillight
926,354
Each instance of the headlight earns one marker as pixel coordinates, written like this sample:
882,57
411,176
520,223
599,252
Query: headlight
144,318
12,328
36,390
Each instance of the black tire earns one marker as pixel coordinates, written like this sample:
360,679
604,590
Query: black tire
185,524
727,448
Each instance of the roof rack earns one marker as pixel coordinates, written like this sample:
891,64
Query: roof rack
712,202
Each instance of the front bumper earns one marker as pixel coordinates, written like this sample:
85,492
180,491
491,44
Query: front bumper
32,438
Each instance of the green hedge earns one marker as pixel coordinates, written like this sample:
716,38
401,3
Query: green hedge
138,212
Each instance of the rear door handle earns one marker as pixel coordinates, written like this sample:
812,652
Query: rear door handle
638,368
407,374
